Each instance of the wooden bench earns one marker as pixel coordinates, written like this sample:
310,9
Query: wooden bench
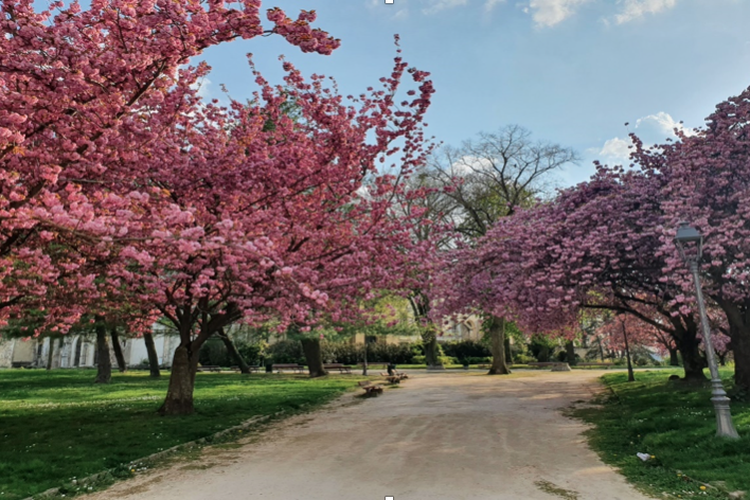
209,368
338,366
395,378
370,388
287,366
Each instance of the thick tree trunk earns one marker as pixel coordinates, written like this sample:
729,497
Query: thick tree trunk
364,358
103,363
233,352
431,353
179,400
692,361
741,351
673,359
118,349
314,357
153,357
570,353
631,375
497,347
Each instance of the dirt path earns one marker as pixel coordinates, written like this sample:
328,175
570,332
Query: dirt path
439,436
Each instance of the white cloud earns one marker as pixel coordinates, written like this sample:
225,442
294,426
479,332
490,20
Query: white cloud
616,149
438,5
665,122
635,9
491,4
203,86
548,13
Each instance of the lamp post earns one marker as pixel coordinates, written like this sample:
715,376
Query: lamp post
690,245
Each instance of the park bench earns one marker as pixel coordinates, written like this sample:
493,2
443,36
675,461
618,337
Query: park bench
557,366
338,366
396,378
603,365
370,388
209,368
277,367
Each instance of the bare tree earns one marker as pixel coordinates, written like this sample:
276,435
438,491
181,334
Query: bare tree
489,178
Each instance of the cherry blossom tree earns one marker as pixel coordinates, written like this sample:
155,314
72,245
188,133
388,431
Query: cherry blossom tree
85,93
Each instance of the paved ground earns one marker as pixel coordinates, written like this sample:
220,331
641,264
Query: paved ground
439,436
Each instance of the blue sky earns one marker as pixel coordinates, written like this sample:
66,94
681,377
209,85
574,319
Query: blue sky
571,71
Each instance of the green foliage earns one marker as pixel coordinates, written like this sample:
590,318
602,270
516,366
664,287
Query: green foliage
58,425
286,351
675,423
466,349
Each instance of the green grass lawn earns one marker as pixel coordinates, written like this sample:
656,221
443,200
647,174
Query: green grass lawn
58,425
675,423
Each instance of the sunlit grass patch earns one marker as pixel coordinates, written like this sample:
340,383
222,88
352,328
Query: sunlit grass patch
59,425
674,423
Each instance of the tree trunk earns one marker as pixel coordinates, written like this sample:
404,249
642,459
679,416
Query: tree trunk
431,353
497,347
118,349
233,352
364,358
673,359
153,357
631,375
508,353
103,364
314,356
570,353
601,349
179,400
741,351
692,361
50,353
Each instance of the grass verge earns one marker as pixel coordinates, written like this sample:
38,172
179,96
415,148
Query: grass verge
675,424
57,426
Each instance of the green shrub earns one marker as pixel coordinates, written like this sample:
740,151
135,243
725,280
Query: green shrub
463,349
419,360
523,359
286,351
213,352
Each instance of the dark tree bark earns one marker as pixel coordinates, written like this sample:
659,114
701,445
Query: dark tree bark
570,353
364,358
51,352
179,400
431,353
692,360
153,357
631,375
103,363
233,352
118,349
673,359
497,346
314,356
508,352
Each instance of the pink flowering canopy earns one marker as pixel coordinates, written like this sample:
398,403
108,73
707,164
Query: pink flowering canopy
87,97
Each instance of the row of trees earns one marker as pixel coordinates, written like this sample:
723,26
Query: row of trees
607,245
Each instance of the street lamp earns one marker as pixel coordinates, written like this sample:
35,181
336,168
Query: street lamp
690,244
